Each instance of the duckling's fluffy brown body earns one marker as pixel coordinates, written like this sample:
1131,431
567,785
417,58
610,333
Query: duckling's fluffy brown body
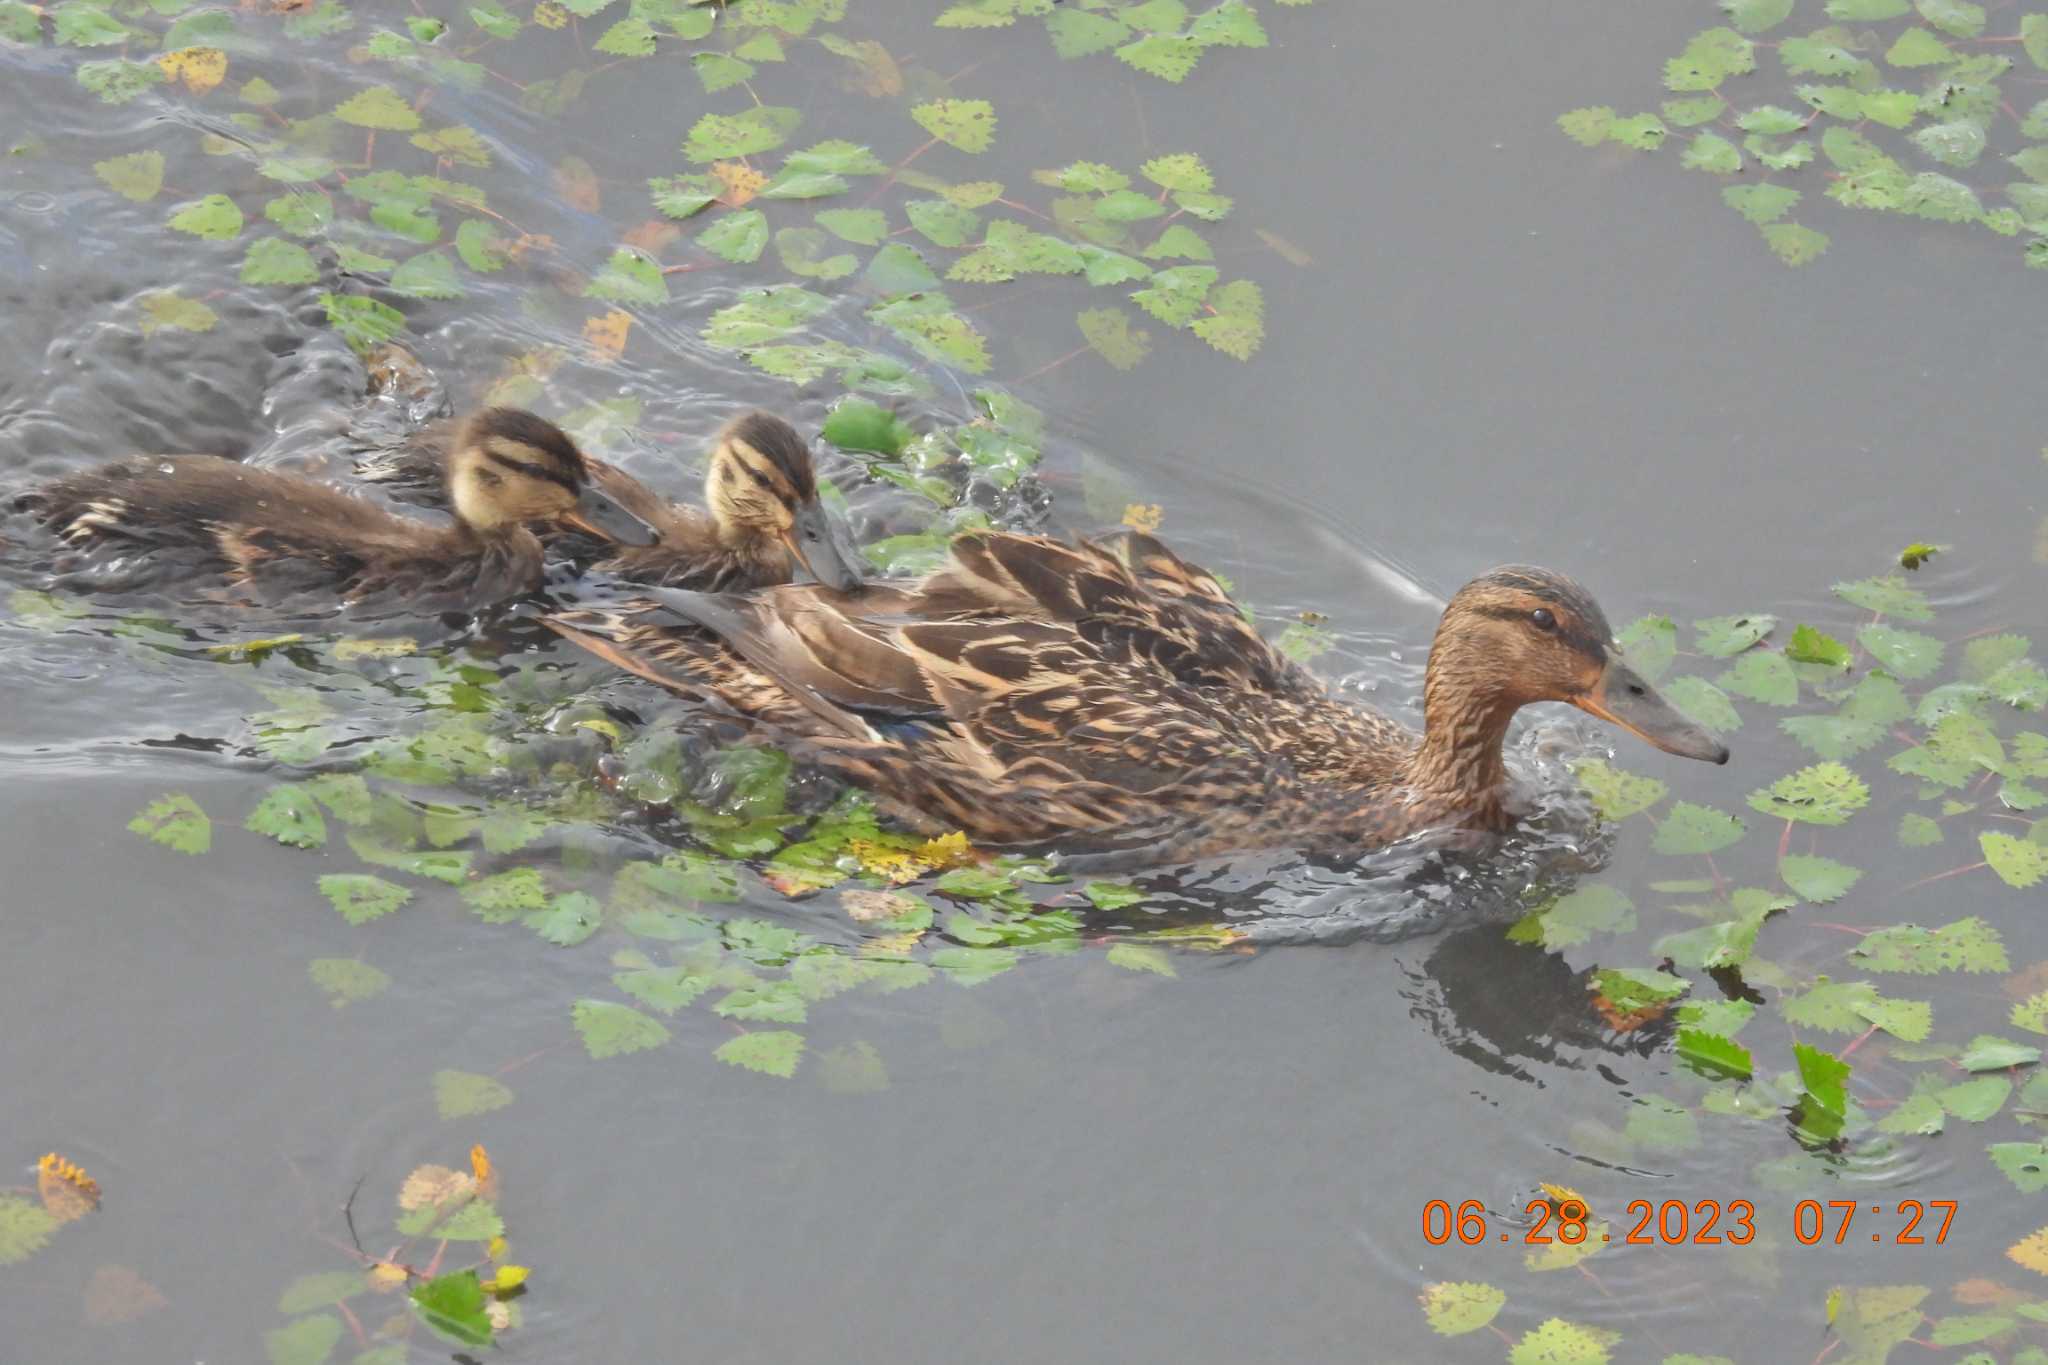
282,540
156,520
1110,696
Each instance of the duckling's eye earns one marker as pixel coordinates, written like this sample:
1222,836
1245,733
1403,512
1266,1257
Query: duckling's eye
760,478
1542,619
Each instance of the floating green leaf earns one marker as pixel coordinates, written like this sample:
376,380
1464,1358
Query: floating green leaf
717,137
1168,56
739,237
1454,1309
429,275
630,276
1817,880
1690,828
1907,653
1557,1342
1111,336
1764,676
1824,794
361,897
1889,595
454,1306
2018,862
304,1341
1809,646
613,1030
346,981
1989,1053
176,822
1616,794
1710,58
215,218
378,107
1966,945
289,814
137,176
1714,1055
774,1053
969,125
25,1229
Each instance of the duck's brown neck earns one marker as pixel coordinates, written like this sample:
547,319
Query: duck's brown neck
1465,718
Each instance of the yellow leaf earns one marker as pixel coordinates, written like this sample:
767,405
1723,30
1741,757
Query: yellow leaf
1560,1255
879,860
548,14
892,945
391,647
508,1278
495,1249
948,850
385,1277
1559,1193
486,1174
2032,1252
519,246
604,726
607,334
431,1185
1144,517
68,1192
201,68
741,182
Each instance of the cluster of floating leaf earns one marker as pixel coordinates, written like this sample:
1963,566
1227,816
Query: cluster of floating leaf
440,1209
371,190
1889,90
1163,38
1962,766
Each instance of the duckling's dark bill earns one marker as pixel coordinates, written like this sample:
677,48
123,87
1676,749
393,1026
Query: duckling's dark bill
602,515
810,539
1625,697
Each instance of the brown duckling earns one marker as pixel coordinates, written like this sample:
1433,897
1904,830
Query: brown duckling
151,520
762,517
1109,696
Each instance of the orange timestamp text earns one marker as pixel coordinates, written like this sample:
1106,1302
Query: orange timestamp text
1703,1222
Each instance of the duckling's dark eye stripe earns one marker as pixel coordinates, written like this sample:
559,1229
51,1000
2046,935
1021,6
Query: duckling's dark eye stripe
531,469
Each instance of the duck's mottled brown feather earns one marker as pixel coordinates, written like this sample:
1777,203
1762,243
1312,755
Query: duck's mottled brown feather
1102,695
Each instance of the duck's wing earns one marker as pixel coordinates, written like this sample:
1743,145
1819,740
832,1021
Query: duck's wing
1131,601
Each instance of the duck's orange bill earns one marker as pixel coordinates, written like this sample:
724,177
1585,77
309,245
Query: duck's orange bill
1625,697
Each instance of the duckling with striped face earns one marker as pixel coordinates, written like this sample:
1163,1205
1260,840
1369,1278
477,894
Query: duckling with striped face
279,539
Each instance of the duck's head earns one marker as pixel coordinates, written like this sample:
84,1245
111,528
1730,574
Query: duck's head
1519,635
760,486
508,467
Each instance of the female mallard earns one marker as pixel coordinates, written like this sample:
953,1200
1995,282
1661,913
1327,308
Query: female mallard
1110,696
156,519
763,516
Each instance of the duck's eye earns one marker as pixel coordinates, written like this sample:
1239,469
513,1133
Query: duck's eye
1542,619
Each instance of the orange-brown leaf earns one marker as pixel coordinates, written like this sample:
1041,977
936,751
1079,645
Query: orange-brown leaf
385,1277
872,70
430,1186
68,1192
1979,1293
577,183
741,182
117,1294
486,1174
607,335
652,235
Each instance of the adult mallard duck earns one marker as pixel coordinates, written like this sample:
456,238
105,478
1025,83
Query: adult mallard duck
1109,696
762,516
154,520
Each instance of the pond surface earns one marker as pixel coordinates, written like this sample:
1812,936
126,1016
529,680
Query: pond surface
1094,1139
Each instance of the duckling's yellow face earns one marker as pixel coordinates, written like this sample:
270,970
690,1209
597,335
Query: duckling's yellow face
510,467
1523,635
760,485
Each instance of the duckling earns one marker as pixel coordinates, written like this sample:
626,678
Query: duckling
155,519
763,516
1108,696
